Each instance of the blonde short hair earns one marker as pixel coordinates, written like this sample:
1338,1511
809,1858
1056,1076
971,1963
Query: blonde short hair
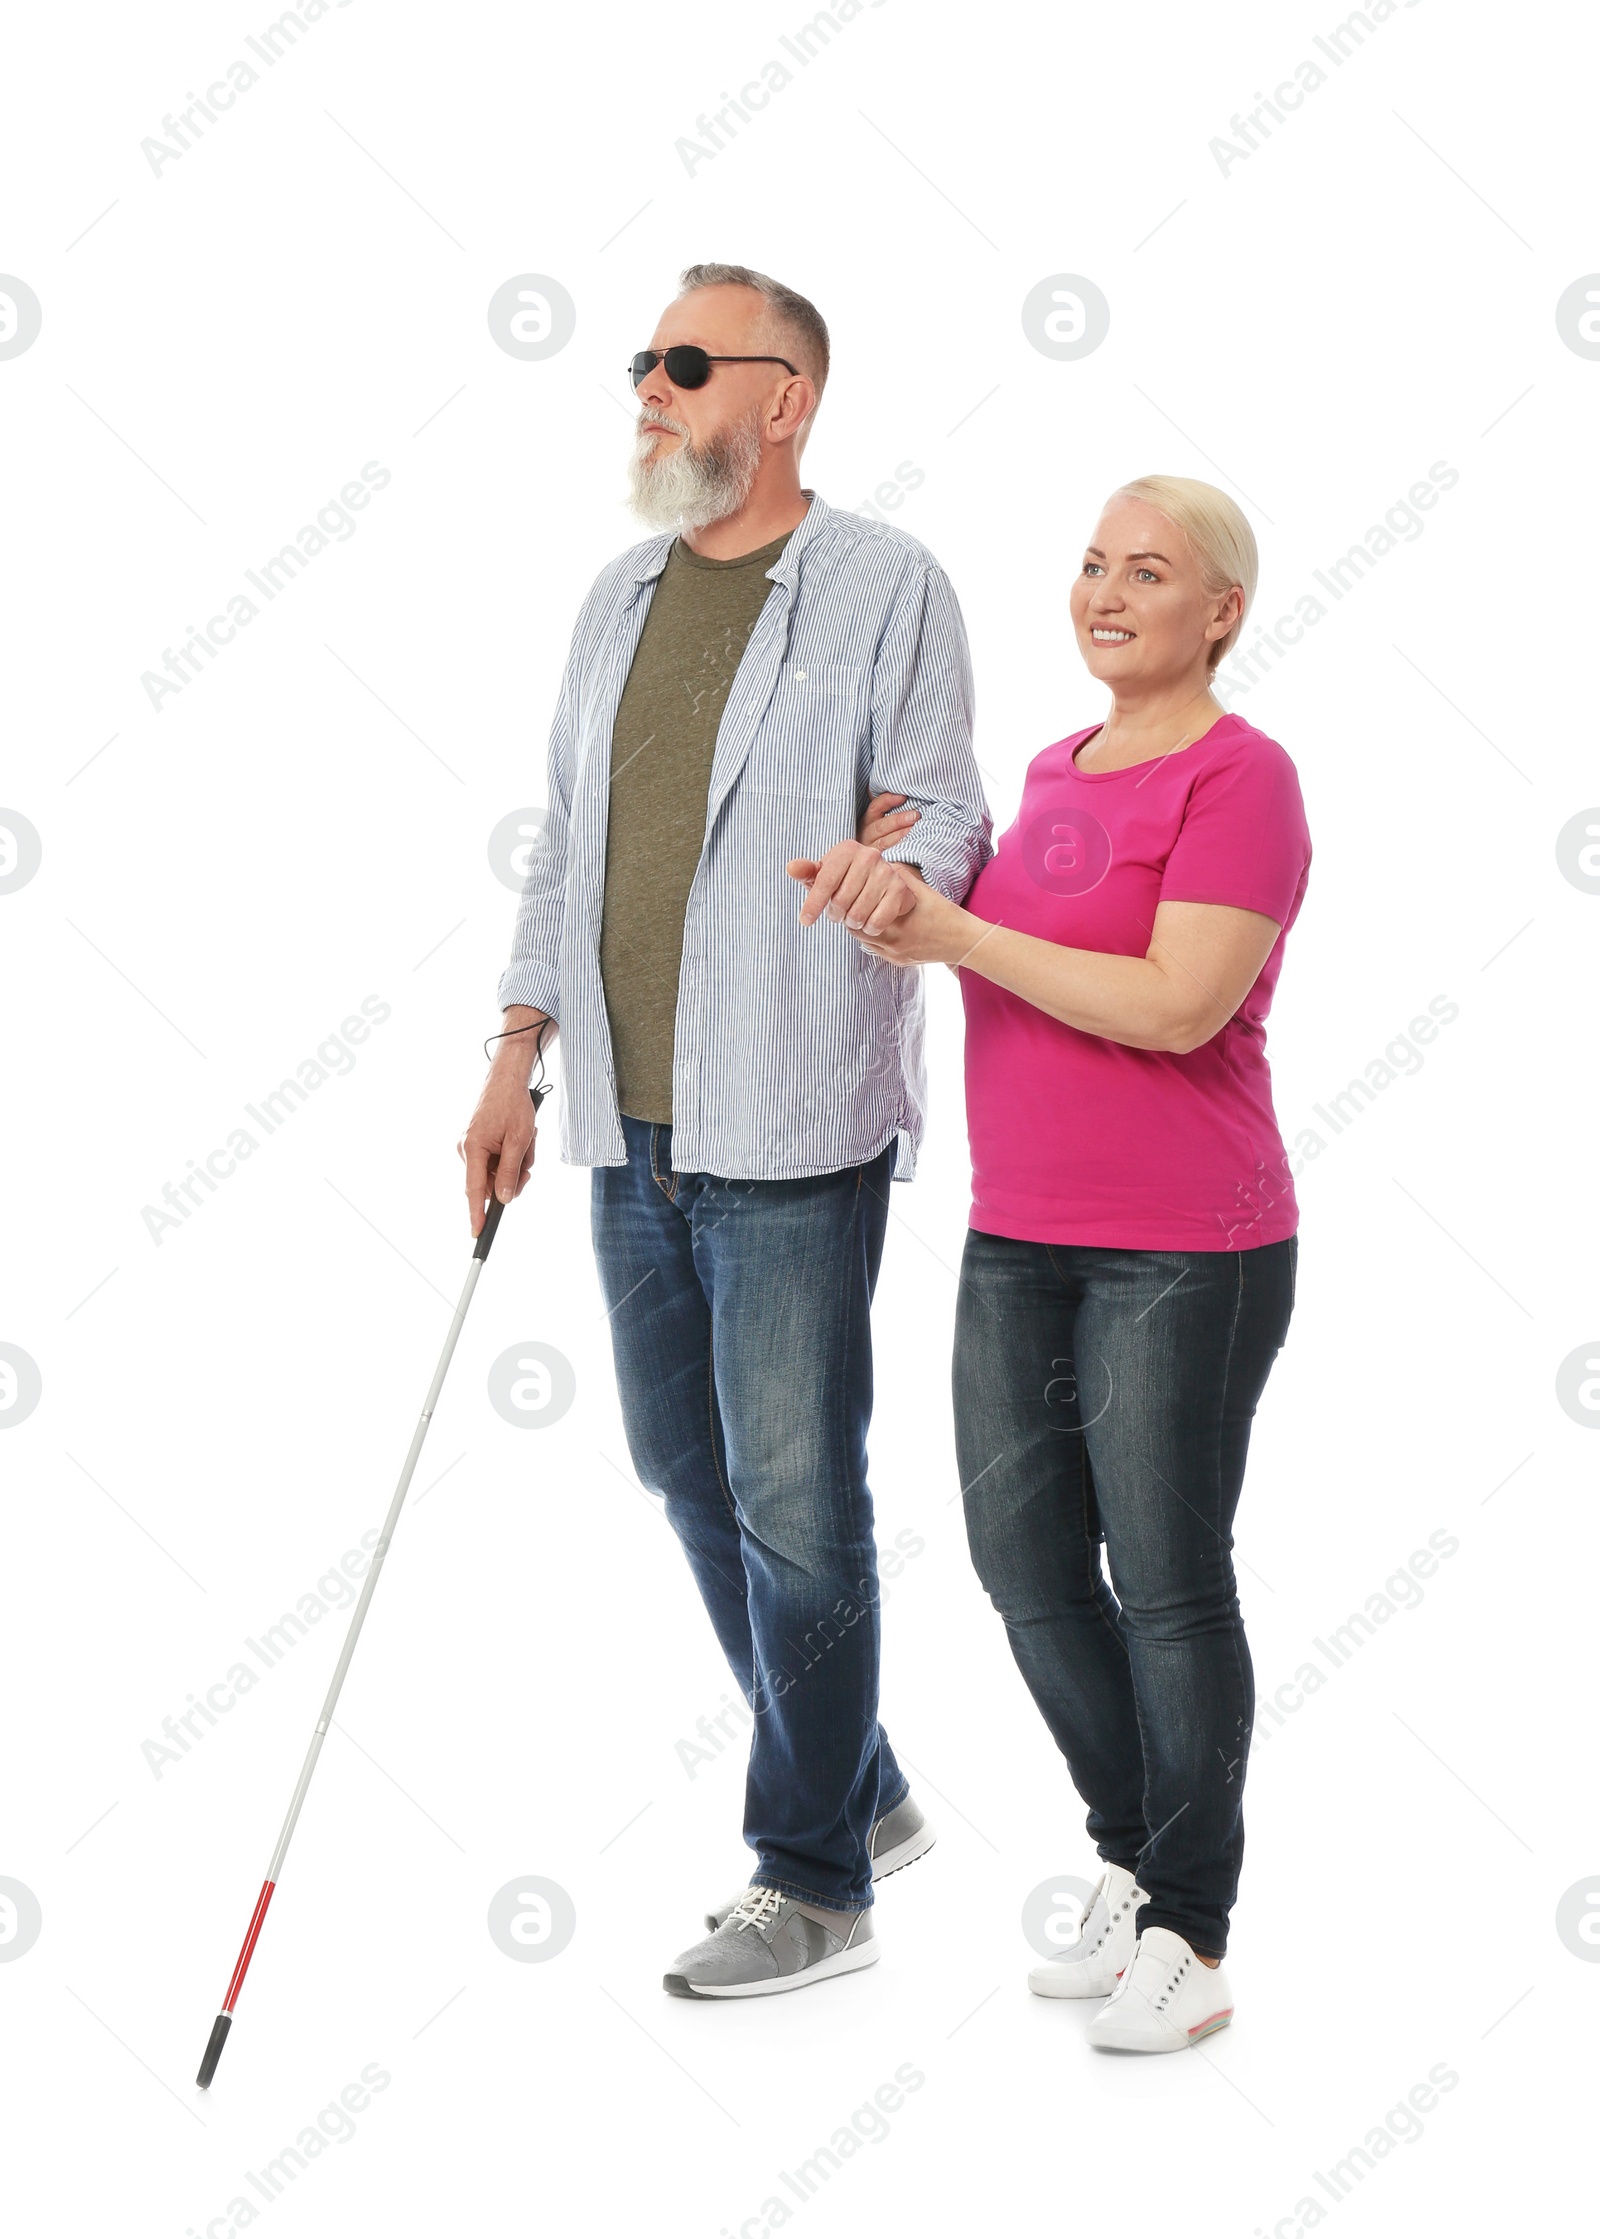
1219,536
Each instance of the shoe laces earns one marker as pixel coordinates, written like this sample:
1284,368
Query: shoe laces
755,1908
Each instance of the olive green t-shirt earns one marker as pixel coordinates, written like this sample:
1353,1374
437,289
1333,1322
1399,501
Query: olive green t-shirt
700,620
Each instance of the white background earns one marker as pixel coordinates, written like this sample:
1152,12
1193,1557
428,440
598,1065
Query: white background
306,824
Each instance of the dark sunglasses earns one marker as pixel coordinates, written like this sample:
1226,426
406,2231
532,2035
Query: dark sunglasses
688,366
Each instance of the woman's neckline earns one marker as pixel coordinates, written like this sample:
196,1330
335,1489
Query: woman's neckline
1128,768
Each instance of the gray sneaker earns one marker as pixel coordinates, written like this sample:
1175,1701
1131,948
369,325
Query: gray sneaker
897,1839
768,1943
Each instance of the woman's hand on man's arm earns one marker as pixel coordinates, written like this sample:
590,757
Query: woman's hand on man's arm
885,820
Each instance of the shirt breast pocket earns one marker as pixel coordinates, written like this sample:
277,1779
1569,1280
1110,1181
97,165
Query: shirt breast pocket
810,743
826,680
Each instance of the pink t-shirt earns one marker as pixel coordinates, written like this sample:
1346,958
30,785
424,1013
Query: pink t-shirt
1080,1140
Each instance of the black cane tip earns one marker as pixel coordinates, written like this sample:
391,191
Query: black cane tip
219,2037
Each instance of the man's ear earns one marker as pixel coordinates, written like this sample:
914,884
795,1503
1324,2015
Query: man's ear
797,408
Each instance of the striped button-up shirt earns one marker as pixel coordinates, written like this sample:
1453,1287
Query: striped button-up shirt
794,1051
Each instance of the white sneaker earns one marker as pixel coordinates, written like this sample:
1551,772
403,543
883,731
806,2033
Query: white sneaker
1090,1967
1165,2000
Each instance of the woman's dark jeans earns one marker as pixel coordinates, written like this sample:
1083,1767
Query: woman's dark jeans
1103,1394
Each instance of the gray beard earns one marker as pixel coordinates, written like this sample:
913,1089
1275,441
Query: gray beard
690,488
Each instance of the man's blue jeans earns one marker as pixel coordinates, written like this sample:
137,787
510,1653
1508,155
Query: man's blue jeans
741,1329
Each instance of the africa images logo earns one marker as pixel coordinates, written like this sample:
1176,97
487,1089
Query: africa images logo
1066,850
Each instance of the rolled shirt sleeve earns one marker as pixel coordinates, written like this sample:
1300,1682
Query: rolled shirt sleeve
922,711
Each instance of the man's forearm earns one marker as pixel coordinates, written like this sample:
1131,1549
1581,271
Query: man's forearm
953,869
515,1054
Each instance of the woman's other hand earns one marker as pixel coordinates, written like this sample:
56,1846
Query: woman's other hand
885,821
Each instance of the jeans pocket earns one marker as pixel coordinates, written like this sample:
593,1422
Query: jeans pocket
666,1181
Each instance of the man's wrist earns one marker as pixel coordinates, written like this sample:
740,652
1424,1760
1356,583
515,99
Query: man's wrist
522,1041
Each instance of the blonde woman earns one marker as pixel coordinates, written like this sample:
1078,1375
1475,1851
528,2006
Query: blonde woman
1129,1269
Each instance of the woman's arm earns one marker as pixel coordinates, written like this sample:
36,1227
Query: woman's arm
1203,960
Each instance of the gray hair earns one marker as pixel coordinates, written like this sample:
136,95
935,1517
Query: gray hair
794,315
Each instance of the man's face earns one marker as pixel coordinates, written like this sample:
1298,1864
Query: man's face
698,452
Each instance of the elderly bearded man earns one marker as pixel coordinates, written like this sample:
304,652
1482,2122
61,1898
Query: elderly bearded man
744,1079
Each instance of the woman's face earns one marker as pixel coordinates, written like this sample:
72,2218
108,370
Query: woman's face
1141,613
